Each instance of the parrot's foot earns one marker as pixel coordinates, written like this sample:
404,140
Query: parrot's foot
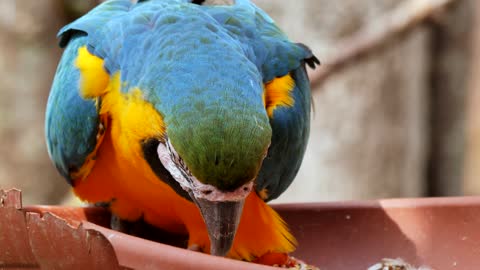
284,260
120,225
195,247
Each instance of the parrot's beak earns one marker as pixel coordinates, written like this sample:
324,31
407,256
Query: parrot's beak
222,219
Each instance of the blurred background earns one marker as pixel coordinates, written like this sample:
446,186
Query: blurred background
398,121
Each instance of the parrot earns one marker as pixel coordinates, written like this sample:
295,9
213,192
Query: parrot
188,115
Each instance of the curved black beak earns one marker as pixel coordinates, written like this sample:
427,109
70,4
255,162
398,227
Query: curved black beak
222,219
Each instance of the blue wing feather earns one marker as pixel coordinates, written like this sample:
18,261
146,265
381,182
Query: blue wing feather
71,123
290,131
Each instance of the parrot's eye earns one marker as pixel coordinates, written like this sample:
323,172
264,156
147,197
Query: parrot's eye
186,172
178,160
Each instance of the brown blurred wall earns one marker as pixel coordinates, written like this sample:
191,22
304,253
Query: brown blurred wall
28,54
472,166
451,50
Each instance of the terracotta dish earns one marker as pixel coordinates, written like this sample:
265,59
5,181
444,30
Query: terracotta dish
442,233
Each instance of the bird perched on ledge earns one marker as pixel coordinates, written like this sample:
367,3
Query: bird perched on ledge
189,115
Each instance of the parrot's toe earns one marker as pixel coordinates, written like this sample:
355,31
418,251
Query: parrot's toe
120,225
273,258
195,247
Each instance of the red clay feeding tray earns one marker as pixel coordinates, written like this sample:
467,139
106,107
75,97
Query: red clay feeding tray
442,233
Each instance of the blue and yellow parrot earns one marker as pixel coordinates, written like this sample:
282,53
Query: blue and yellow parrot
189,115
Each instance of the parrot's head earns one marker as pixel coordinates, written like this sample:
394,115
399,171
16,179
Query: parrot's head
214,149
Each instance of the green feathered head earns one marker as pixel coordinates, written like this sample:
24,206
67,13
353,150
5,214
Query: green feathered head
221,147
